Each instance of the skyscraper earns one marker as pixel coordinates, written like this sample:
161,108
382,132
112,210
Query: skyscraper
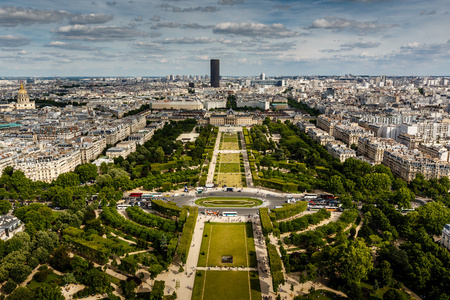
215,73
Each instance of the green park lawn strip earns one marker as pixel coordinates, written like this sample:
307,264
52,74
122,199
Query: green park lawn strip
226,239
251,249
228,202
224,285
198,285
230,168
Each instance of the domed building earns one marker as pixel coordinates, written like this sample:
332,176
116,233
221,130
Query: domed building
23,100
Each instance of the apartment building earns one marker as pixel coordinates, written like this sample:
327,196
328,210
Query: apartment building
407,163
445,240
340,151
372,148
48,165
327,124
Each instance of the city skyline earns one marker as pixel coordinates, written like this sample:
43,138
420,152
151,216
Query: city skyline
137,38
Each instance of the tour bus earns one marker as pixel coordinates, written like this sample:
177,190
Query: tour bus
310,196
136,195
123,206
229,214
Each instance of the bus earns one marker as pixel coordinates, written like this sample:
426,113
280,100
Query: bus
123,206
310,196
136,195
229,214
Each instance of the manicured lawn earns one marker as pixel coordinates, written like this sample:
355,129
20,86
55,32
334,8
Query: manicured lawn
228,202
229,157
229,168
229,180
229,146
227,239
225,285
52,277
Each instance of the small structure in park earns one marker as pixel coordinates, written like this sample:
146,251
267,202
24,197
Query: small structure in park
227,259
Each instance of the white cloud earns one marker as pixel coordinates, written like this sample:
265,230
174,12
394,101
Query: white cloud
13,41
337,24
90,19
254,30
97,33
12,16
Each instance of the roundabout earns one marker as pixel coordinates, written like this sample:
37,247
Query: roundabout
228,202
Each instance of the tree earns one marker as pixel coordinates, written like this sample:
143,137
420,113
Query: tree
386,273
68,179
128,288
21,293
5,206
46,291
350,262
393,295
335,185
434,216
403,197
159,155
9,286
86,172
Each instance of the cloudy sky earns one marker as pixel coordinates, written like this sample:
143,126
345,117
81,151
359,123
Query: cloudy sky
162,37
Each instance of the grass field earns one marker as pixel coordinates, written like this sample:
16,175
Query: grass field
228,202
229,168
225,285
227,239
229,158
234,239
229,141
229,179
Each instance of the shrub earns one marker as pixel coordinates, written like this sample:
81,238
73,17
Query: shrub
290,210
266,224
186,235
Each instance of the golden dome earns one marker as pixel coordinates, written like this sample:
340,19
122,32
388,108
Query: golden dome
22,90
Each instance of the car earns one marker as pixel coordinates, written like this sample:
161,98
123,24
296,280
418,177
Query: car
176,195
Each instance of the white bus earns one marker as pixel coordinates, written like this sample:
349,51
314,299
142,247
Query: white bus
310,196
123,206
229,214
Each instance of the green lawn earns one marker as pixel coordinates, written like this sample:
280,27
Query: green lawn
227,239
224,285
229,180
229,158
52,277
228,202
229,168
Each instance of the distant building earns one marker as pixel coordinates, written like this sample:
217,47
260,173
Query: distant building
7,225
23,100
215,73
445,241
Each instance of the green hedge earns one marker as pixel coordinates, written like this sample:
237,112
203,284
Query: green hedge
276,266
266,224
186,235
304,221
139,216
289,210
166,166
278,184
169,209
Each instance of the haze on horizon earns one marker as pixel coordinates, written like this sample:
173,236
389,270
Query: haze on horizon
138,38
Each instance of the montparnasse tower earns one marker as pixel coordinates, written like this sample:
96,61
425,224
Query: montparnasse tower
23,100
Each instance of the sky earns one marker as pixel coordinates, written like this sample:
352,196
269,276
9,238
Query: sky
179,37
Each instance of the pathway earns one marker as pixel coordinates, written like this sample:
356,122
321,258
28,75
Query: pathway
212,165
248,172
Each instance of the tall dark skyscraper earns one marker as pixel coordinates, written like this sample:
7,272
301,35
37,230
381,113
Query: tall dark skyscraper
215,73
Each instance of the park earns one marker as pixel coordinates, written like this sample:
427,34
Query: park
227,248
